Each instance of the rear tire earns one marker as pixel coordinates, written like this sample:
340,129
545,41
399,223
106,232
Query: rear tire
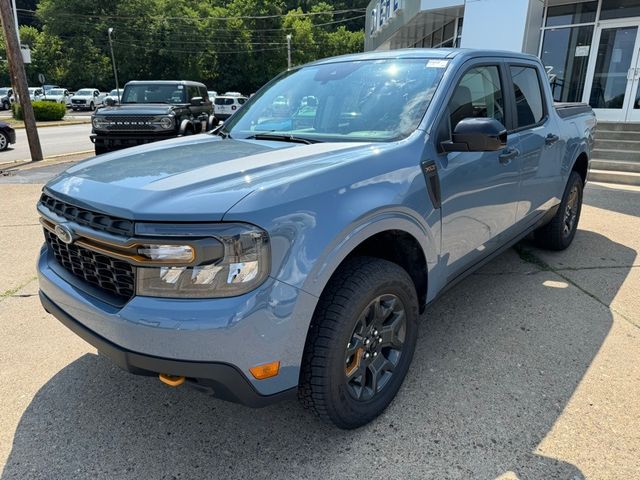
560,231
360,342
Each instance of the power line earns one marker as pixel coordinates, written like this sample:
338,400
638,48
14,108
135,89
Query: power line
238,17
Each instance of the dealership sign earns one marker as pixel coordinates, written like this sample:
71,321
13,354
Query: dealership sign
384,11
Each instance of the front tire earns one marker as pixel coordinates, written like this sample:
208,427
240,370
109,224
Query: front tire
360,342
100,149
4,141
560,231
92,106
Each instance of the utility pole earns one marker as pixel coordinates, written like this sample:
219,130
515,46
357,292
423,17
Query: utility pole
16,67
113,61
289,51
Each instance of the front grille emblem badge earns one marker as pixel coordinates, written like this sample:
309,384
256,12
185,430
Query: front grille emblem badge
64,233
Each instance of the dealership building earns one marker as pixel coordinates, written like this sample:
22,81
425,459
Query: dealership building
591,49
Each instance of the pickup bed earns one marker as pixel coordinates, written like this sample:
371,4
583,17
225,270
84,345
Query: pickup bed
291,250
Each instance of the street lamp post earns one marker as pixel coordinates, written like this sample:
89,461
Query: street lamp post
113,61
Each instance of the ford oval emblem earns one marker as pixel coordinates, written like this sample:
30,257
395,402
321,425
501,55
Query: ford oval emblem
64,233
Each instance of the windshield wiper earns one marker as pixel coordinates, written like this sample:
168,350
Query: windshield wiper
281,138
220,131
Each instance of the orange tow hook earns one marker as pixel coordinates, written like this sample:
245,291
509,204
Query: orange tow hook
171,380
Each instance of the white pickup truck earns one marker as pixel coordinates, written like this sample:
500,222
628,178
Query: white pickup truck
87,99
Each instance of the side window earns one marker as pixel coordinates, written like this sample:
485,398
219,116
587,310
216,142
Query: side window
203,93
193,92
479,95
529,103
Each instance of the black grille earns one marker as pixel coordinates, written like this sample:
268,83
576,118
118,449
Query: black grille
114,276
77,101
97,221
131,122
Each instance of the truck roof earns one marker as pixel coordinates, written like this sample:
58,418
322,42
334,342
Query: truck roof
436,53
165,82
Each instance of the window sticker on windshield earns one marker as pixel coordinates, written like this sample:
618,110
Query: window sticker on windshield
437,63
180,87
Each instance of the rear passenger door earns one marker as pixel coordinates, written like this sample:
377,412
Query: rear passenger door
479,190
538,139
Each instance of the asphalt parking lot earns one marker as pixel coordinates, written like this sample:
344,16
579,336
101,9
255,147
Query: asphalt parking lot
528,369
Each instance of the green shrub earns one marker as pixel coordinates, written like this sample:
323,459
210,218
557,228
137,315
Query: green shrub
44,111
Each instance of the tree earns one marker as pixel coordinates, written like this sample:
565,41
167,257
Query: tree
227,44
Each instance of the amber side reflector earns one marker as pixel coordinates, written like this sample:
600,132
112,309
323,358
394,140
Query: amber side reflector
266,370
171,380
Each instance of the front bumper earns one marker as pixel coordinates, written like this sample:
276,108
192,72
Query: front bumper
221,380
211,341
116,141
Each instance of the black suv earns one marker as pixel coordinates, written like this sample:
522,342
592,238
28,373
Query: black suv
150,111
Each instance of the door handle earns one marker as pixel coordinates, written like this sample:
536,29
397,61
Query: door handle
551,139
510,154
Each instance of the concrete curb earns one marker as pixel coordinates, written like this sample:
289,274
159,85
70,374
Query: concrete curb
48,161
52,124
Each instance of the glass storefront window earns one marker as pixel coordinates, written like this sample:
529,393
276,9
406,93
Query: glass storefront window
612,67
619,9
583,12
565,54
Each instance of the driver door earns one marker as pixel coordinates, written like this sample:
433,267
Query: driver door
480,190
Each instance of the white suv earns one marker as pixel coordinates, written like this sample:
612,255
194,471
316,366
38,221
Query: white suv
226,105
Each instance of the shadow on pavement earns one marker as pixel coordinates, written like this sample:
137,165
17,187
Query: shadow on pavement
621,200
498,358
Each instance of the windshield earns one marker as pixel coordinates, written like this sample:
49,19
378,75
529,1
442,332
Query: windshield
113,93
56,91
4,91
154,94
84,92
373,100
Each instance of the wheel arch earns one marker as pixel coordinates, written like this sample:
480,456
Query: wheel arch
398,237
581,165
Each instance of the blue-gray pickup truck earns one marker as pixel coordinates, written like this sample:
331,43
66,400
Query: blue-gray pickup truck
291,250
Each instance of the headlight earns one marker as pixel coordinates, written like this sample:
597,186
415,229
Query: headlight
100,122
166,123
244,266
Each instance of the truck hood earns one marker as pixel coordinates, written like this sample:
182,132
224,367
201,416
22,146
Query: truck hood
196,178
137,109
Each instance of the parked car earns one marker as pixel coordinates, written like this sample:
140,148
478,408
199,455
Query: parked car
212,94
36,94
152,111
113,97
6,98
227,104
87,99
7,136
257,265
58,95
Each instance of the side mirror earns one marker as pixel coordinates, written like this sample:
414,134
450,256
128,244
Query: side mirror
110,102
196,102
477,135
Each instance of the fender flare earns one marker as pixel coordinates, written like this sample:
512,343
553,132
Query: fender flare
349,239
183,126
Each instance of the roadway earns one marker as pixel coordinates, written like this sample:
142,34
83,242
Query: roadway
54,140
